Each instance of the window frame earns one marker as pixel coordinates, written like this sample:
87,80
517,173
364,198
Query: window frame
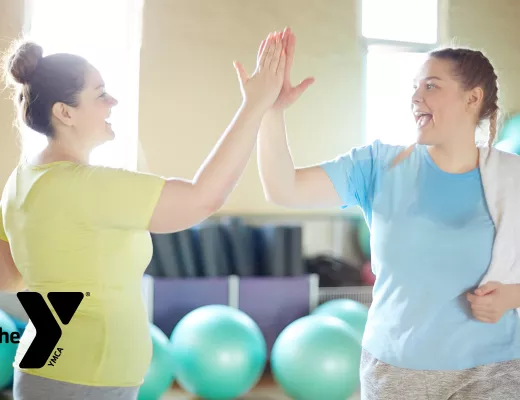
395,46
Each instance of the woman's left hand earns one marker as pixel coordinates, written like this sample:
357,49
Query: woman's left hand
492,300
289,93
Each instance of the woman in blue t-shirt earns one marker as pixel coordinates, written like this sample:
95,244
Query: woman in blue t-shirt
430,333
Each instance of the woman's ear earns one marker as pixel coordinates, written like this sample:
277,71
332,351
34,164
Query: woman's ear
474,98
63,113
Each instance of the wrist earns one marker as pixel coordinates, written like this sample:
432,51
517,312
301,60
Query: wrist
275,112
515,296
273,115
252,110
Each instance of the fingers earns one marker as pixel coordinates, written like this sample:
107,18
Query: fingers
281,65
265,51
487,316
270,52
260,50
241,72
487,288
487,320
485,308
478,300
285,37
302,87
290,47
277,53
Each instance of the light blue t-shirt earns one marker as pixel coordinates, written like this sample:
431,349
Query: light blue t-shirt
431,242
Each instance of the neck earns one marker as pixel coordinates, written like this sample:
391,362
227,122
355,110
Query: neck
456,157
58,150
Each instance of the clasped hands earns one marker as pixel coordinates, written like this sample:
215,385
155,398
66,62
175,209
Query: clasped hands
492,300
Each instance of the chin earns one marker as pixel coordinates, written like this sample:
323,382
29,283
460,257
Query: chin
108,136
426,137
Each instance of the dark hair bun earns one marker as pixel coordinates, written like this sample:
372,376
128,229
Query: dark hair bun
24,60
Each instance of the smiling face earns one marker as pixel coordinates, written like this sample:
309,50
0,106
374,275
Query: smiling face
86,121
91,117
441,107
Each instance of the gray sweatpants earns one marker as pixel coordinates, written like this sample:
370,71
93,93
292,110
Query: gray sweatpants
31,387
380,381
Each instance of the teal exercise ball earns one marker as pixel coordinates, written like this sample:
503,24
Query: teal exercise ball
317,357
352,312
219,352
159,377
7,349
509,137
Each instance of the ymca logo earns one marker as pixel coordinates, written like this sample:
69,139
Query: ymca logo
48,331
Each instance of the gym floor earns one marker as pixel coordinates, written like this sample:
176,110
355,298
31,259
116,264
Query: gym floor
265,390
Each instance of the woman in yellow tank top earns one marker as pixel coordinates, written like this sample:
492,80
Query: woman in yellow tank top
69,226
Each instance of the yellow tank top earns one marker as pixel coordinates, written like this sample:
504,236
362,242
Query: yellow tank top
84,228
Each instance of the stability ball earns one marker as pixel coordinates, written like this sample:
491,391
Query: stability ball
317,357
349,311
219,352
509,137
7,350
159,376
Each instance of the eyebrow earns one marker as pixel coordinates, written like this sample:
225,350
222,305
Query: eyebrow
428,78
100,86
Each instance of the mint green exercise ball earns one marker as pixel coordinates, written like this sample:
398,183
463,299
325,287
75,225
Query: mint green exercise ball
509,136
317,357
352,312
7,349
219,352
160,376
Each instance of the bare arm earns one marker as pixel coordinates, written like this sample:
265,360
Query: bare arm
284,184
10,278
185,203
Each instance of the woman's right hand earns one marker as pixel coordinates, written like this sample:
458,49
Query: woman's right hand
262,89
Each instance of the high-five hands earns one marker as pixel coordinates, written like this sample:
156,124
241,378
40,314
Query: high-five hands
289,94
263,88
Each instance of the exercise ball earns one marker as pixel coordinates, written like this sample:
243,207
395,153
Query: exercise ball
509,137
7,350
159,376
353,313
219,352
20,325
317,357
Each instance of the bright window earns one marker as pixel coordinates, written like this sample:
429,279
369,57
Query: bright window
397,37
108,34
389,90
401,20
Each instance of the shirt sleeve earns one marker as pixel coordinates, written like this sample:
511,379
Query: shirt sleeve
116,198
353,174
3,236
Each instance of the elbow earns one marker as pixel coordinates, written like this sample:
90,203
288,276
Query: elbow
211,205
278,192
277,198
12,285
